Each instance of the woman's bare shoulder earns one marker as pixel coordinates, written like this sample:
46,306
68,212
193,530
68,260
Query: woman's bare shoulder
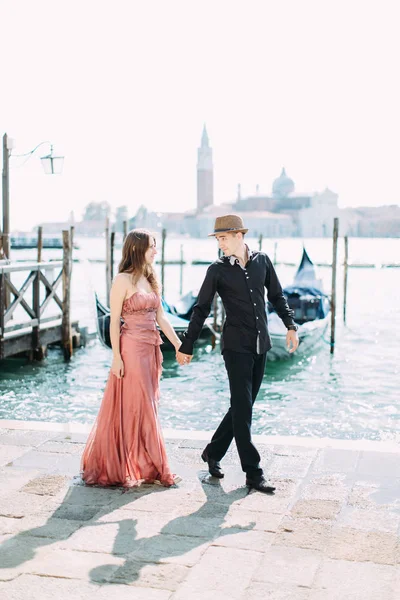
122,280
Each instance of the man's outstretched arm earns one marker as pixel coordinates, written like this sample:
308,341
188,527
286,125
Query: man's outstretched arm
201,310
276,297
279,302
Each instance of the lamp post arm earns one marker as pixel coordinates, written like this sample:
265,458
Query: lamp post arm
32,151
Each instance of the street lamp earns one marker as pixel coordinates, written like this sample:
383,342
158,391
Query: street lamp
52,165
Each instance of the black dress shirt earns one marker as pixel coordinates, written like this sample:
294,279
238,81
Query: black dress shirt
242,291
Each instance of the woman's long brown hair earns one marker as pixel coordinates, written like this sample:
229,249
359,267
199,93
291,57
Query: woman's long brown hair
136,244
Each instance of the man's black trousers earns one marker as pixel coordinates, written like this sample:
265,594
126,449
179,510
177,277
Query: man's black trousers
245,373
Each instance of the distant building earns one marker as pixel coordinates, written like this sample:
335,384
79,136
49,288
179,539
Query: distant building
205,174
317,219
310,215
282,198
376,221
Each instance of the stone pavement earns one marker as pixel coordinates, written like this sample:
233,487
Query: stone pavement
330,532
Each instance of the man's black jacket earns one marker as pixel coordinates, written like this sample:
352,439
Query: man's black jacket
242,291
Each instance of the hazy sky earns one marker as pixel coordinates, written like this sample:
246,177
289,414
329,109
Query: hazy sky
122,88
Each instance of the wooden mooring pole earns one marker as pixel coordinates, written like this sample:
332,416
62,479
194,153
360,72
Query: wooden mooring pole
66,303
2,312
181,272
37,353
6,198
164,235
108,260
124,229
112,244
215,320
260,241
346,266
40,243
275,252
334,269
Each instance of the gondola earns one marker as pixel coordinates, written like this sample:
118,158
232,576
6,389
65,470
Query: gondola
311,307
179,324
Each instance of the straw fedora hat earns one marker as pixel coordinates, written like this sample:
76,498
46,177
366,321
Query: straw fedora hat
228,223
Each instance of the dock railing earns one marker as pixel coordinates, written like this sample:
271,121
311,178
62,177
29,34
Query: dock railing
23,326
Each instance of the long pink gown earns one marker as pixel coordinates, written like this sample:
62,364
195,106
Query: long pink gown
125,446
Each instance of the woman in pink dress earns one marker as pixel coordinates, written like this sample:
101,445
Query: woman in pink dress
125,446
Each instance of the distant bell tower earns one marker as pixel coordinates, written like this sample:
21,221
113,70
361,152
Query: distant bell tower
205,173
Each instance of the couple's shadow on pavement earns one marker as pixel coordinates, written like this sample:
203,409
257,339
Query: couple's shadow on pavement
179,536
184,534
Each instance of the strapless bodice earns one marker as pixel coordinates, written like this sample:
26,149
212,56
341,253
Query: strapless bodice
139,317
140,303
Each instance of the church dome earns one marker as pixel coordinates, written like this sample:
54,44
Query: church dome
283,186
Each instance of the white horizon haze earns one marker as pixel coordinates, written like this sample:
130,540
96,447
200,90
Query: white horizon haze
123,89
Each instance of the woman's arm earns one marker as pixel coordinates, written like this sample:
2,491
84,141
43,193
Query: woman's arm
117,296
167,328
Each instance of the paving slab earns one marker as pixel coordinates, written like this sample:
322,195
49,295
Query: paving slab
33,587
244,539
377,463
20,504
52,462
282,564
258,590
334,460
13,479
62,447
316,509
124,592
113,538
70,564
289,466
72,438
369,520
166,548
346,580
155,575
376,495
16,552
46,485
9,454
241,518
24,437
221,573
279,502
370,546
333,487
146,524
304,533
42,525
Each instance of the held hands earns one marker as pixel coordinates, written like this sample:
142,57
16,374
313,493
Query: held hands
183,359
292,340
117,367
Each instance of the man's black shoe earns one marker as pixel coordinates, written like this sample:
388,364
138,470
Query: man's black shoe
214,467
260,484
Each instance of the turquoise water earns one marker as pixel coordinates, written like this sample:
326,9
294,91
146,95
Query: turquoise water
352,394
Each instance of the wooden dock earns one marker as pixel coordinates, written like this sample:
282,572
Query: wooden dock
32,313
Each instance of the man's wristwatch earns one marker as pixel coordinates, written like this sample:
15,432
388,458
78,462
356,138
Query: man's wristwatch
292,328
